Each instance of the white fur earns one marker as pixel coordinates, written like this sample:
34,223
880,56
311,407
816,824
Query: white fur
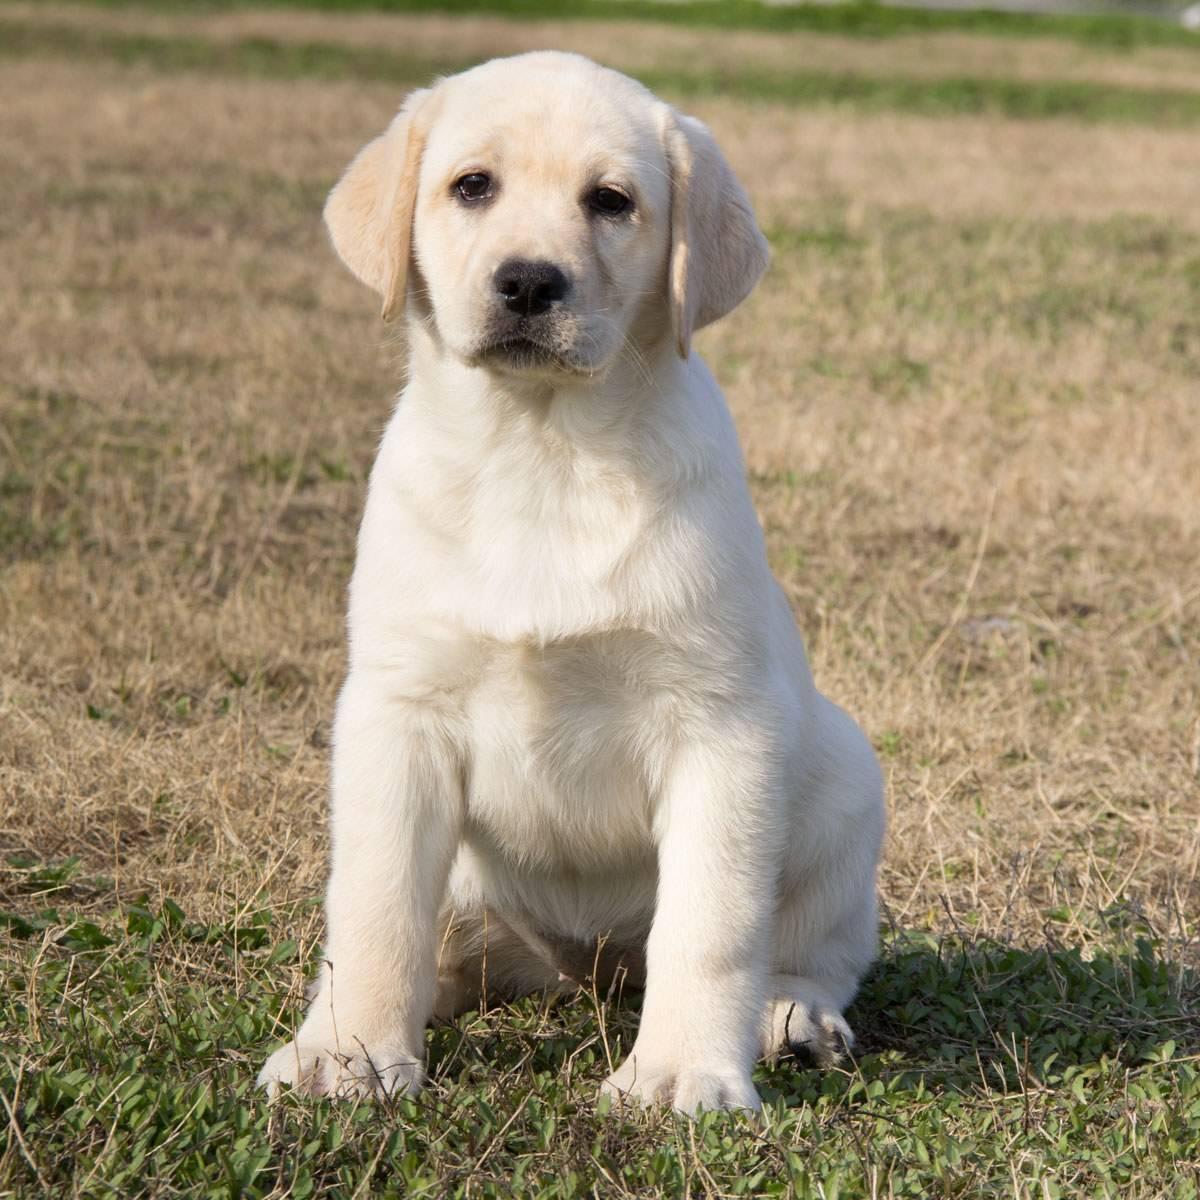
579,731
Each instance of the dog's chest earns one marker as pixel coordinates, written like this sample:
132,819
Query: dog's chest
565,741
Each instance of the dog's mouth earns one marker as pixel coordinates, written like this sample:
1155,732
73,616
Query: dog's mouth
519,352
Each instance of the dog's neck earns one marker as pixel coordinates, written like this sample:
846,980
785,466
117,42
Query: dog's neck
547,503
566,510
601,413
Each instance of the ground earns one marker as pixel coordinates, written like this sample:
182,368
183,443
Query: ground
968,392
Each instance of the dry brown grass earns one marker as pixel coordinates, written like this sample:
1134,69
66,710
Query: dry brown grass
968,394
644,46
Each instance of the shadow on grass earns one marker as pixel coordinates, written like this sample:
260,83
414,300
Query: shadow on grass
131,1041
942,1011
960,1008
936,1012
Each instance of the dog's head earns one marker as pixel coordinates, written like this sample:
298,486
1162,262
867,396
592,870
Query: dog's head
541,213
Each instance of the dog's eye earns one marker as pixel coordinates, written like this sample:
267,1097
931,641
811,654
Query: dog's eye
609,201
475,186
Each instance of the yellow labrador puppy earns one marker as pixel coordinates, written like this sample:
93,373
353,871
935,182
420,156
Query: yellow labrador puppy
579,733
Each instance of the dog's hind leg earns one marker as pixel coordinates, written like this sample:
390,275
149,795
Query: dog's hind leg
813,983
826,931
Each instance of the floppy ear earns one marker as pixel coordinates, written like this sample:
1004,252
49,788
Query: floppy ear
369,213
718,253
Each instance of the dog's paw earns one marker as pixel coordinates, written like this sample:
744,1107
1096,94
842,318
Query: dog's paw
315,1069
802,1024
686,1088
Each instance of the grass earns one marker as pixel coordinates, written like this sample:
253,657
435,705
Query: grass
858,18
967,396
147,1027
264,58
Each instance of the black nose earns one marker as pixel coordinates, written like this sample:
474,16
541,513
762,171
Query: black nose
529,288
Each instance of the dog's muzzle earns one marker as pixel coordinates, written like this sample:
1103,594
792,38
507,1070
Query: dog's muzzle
526,326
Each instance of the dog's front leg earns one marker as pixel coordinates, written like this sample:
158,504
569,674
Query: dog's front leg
397,813
709,943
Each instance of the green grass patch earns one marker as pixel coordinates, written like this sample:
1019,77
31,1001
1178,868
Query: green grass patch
133,1039
854,19
48,486
40,517
265,58
1062,279
1022,99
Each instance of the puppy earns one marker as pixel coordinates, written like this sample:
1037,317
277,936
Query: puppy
579,734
